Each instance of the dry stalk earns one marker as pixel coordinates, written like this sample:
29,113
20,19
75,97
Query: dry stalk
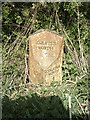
80,105
10,38
72,51
70,112
82,59
29,31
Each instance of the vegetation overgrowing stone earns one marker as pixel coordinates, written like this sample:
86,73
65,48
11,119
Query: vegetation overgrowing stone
21,99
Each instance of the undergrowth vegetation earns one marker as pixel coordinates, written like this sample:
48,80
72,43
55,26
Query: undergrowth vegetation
21,99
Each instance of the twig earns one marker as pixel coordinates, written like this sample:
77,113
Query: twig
79,40
72,51
80,105
29,31
10,37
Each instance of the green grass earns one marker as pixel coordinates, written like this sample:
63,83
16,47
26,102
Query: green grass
43,101
21,100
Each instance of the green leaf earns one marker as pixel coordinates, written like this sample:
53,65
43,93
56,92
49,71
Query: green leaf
18,19
25,12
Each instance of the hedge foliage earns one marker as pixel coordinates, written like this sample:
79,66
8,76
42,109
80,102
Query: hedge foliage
19,20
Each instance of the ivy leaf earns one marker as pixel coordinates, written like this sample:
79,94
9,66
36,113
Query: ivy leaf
6,11
25,12
18,19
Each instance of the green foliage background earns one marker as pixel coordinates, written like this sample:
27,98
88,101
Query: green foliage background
71,19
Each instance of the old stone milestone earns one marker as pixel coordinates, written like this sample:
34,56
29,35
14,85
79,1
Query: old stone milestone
45,57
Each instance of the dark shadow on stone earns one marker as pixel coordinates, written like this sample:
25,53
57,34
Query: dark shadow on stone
35,108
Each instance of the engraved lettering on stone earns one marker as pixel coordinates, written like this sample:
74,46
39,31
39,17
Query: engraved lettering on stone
45,56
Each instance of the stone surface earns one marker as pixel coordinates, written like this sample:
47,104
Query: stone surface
45,56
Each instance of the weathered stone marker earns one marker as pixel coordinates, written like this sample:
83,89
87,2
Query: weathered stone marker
45,57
